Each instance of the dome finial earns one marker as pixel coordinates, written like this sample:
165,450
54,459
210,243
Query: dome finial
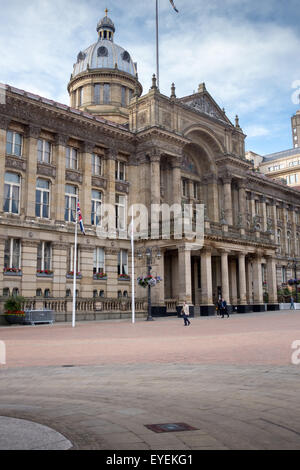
106,11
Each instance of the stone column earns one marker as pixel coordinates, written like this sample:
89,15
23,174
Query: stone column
242,279
257,280
158,293
110,195
212,197
228,199
29,266
225,277
233,281
185,274
85,200
272,279
60,181
2,244
60,268
4,124
249,281
111,267
86,268
155,177
176,181
33,134
242,203
206,277
263,213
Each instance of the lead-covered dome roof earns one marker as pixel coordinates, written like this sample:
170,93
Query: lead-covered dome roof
104,54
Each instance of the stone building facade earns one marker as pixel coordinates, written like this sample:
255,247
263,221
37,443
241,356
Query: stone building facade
168,150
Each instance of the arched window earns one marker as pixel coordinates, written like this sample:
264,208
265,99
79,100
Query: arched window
95,293
288,236
47,293
119,294
101,293
125,293
38,293
68,293
15,291
6,292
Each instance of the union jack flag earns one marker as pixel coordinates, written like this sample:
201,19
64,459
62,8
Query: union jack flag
172,3
80,219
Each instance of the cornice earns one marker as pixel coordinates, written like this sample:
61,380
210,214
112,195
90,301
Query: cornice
160,132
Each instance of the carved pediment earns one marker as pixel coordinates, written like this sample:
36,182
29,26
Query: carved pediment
204,105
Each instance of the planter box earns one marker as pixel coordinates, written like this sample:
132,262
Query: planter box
104,278
124,279
31,317
44,275
70,276
9,273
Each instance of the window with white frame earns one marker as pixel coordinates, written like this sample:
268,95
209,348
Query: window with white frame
96,207
288,236
12,187
283,274
42,199
70,203
97,91
97,165
12,254
14,142
99,261
279,240
120,171
44,255
123,262
123,97
71,259
71,158
106,93
44,151
120,212
195,187
185,188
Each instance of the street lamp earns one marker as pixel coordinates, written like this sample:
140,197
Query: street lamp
148,253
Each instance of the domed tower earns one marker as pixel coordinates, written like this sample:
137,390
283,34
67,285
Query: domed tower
104,78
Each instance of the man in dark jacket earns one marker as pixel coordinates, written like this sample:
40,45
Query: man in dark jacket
224,308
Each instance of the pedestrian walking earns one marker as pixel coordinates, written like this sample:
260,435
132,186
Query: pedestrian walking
185,314
219,307
292,306
224,308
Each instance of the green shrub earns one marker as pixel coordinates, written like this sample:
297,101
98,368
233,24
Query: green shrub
14,303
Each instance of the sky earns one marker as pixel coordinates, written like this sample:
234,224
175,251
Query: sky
245,51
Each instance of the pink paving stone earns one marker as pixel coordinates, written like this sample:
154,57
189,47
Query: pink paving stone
258,339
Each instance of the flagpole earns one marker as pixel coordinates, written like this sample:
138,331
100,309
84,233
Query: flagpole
157,46
75,268
132,270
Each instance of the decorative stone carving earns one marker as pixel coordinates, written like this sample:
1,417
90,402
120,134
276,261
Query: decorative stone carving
15,163
45,169
204,105
188,165
74,176
99,182
88,147
61,139
4,122
122,187
33,131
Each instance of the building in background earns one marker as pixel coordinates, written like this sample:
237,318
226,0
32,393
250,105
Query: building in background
115,145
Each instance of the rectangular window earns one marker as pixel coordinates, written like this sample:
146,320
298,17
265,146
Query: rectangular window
99,261
80,96
195,186
44,151
14,143
70,203
42,200
123,262
120,212
12,184
106,93
185,188
71,158
12,254
123,96
44,256
97,90
96,165
96,207
120,171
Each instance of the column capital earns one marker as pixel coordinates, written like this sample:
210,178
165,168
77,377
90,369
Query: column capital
210,179
4,122
227,179
88,147
111,153
61,139
33,131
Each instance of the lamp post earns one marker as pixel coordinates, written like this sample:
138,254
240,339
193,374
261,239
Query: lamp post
148,253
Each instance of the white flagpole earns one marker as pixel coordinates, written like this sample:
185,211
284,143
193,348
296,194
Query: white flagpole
75,268
157,46
132,270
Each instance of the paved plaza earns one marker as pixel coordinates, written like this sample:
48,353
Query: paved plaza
97,386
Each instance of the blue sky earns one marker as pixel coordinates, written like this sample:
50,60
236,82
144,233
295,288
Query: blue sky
247,53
